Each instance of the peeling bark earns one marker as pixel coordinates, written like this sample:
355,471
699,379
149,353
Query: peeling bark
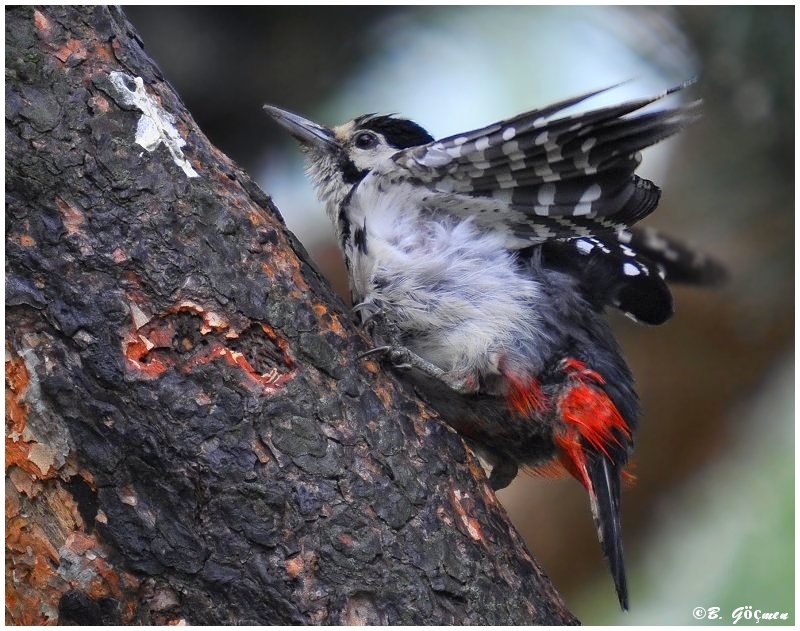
189,436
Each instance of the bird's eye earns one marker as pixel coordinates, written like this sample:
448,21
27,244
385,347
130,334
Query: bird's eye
365,140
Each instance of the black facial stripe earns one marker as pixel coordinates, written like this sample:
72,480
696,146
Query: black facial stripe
344,223
398,132
350,173
360,238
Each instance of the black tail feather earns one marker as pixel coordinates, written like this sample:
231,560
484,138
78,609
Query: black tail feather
605,500
603,281
680,263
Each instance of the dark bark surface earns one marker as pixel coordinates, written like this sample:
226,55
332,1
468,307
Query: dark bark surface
189,435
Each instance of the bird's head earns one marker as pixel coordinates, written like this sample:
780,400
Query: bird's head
339,157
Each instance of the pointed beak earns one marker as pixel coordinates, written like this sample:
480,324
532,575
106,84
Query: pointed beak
309,134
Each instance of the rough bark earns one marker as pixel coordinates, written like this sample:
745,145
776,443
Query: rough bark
189,435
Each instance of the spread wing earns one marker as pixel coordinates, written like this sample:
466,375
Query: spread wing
540,176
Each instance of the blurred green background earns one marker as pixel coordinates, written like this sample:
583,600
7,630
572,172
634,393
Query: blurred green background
709,521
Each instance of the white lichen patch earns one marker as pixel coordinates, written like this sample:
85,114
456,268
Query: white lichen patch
156,126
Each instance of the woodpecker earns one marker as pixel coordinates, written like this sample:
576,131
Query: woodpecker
485,262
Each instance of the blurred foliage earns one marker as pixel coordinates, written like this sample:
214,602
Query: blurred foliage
710,521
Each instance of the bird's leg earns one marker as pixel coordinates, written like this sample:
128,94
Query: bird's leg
404,358
401,356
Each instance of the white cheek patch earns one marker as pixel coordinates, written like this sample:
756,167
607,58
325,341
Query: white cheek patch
372,159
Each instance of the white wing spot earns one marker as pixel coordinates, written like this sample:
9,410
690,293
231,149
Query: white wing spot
544,232
630,269
579,230
509,133
435,158
482,143
539,122
584,246
588,144
510,148
446,185
541,138
553,152
460,140
592,193
582,209
503,195
481,164
547,194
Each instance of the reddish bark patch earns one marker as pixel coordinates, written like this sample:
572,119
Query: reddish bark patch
74,49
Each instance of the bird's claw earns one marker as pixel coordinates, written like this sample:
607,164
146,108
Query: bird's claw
405,359
402,358
397,355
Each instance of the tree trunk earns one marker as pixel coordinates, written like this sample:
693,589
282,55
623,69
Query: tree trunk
189,435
